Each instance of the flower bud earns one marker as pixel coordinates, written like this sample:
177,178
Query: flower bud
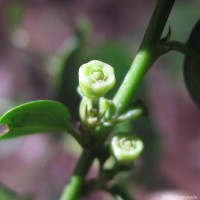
126,147
96,79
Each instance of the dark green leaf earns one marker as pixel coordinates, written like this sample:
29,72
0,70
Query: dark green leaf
192,64
35,117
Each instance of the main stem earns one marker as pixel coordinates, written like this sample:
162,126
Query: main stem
146,55
142,62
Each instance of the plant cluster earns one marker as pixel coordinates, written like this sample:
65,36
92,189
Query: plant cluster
99,116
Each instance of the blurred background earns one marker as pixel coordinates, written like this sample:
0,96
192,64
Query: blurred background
42,45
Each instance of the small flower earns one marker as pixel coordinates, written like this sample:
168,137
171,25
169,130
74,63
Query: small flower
96,79
126,147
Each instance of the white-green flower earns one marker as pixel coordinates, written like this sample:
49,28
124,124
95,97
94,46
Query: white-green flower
96,78
126,147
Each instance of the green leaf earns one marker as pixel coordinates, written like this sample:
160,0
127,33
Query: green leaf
35,117
192,64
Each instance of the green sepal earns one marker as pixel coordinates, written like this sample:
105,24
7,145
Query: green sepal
39,116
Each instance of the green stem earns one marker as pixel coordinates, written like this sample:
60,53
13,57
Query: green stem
179,47
143,60
76,136
146,55
175,46
73,190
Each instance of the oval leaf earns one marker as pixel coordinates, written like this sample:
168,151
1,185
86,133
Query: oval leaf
192,64
35,117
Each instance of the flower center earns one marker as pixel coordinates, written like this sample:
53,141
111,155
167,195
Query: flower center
127,144
97,75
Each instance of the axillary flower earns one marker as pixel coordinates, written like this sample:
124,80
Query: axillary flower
126,147
96,78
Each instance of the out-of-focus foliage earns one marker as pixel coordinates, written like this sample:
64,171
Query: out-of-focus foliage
15,12
6,194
